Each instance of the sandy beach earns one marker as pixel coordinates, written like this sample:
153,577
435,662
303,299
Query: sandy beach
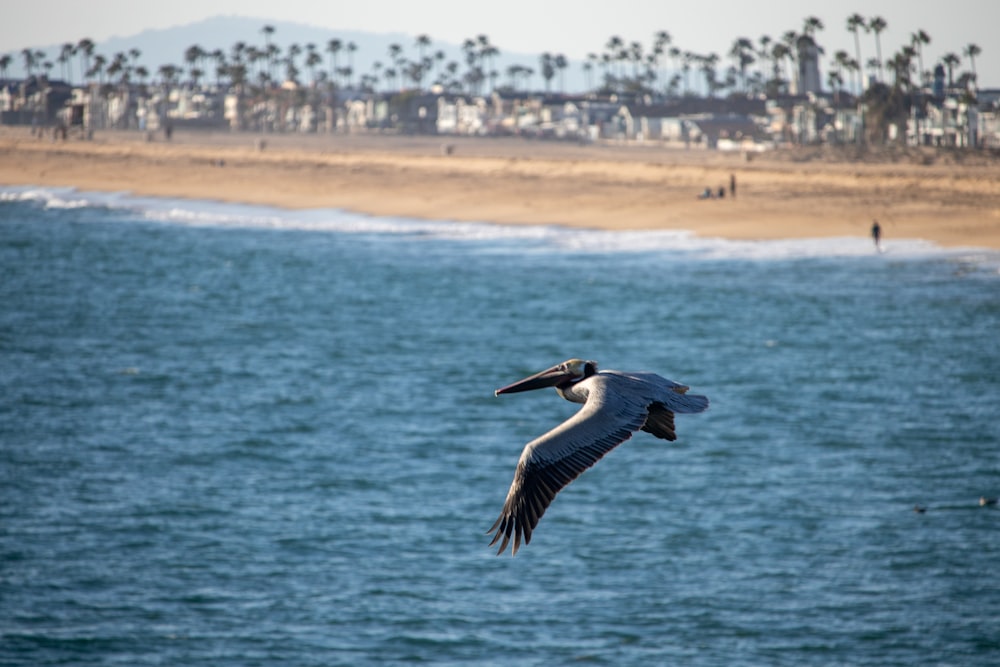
784,194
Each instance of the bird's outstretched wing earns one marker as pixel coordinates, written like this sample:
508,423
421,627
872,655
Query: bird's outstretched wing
618,404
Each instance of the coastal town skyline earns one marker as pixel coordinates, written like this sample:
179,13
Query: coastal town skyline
557,27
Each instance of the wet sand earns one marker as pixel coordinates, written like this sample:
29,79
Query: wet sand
783,194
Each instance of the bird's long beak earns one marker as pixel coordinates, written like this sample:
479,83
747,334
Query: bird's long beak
547,378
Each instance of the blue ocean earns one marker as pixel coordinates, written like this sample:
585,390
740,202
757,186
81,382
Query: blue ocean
235,436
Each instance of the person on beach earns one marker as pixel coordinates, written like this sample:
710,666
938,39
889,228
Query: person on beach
877,235
732,185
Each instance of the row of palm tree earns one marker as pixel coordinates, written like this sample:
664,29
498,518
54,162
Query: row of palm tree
766,66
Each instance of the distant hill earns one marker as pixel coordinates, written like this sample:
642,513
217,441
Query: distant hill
167,46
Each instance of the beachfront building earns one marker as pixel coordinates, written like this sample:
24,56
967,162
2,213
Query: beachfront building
988,129
459,115
957,123
732,124
34,101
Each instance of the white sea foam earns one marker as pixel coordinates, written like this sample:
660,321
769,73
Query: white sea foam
526,238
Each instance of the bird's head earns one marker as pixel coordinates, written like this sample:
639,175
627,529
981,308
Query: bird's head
560,376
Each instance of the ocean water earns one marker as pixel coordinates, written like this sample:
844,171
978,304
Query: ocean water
240,436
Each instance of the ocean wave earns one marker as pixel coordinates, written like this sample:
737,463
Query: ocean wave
524,238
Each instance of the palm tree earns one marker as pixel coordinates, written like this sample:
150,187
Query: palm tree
741,54
526,74
811,24
918,39
439,57
268,30
779,52
291,69
708,64
351,48
97,69
333,47
971,51
762,55
835,80
841,61
951,61
474,78
239,49
689,59
168,74
661,39
192,56
674,85
588,71
614,48
676,55
395,54
512,73
471,50
489,54
791,40
623,56
423,42
254,57
29,61
85,47
119,67
561,64
65,53
877,24
873,65
854,23
219,56
313,59
5,61
273,57
452,70
901,64
635,55
548,68
347,74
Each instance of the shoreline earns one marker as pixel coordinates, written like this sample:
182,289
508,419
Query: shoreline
518,181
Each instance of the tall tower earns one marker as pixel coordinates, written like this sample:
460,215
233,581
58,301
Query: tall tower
808,52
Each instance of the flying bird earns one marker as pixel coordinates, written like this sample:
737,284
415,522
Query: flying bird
616,404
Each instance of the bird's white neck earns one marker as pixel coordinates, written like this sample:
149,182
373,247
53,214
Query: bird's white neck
576,392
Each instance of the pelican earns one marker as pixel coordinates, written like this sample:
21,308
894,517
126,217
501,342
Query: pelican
616,404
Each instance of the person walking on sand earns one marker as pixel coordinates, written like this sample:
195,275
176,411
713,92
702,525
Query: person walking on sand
732,185
877,235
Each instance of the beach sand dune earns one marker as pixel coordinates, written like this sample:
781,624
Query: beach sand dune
785,194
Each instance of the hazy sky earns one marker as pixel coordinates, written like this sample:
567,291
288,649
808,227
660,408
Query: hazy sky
571,27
